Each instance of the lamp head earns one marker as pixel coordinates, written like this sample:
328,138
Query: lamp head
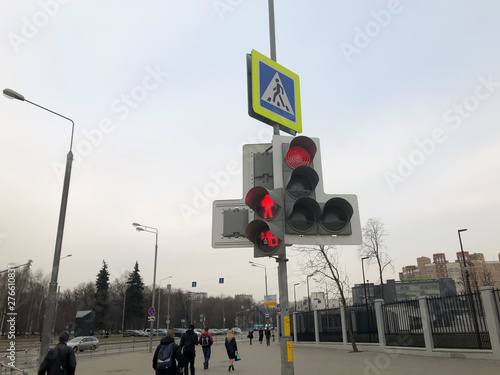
365,258
11,94
462,230
136,224
139,229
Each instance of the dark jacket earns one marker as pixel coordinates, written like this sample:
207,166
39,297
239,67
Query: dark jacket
178,357
188,341
267,332
231,348
59,355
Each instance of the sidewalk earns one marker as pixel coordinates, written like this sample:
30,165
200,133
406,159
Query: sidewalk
308,360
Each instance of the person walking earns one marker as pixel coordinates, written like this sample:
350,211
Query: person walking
206,341
273,333
188,342
250,335
268,336
178,360
261,334
231,348
60,358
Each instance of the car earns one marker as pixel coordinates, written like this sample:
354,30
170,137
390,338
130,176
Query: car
236,330
179,331
81,343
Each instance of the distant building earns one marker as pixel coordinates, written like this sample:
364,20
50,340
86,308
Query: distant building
481,272
406,289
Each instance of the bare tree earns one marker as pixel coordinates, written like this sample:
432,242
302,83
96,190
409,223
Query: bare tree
373,247
324,262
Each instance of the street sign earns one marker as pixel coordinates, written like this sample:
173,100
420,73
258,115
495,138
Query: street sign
221,280
193,284
267,316
151,318
151,311
274,93
270,300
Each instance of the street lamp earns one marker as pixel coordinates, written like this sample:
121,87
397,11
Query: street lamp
52,295
159,299
144,228
260,266
366,299
57,300
471,299
463,258
309,298
295,296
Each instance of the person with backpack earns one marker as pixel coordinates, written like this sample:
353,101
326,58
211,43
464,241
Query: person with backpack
168,356
206,341
188,342
59,360
250,335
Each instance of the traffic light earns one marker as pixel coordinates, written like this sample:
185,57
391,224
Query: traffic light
311,216
266,231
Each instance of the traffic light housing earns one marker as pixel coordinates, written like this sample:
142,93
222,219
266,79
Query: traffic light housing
311,216
266,231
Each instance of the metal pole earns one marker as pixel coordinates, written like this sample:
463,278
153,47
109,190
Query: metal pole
272,39
366,299
308,298
168,306
286,339
295,296
123,315
471,299
159,304
151,326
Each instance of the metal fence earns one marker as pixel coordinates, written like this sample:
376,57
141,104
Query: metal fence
305,326
403,324
330,325
458,321
363,323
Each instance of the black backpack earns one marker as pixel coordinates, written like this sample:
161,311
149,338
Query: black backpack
165,357
205,340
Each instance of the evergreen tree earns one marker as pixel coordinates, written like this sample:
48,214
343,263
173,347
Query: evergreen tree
134,310
101,297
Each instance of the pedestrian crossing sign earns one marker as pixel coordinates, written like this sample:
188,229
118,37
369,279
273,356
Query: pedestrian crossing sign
274,94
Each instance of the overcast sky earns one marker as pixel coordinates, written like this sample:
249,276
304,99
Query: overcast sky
403,95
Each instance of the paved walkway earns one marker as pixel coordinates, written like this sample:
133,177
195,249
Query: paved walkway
308,360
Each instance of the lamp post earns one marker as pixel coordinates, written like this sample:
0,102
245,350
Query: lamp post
57,300
309,298
260,266
469,292
144,228
366,299
159,299
51,297
295,296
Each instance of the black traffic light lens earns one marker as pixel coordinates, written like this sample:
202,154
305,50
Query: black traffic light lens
299,187
297,156
334,218
266,208
302,218
266,241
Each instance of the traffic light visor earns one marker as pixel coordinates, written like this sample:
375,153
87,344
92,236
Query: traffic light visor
302,182
260,233
301,152
336,216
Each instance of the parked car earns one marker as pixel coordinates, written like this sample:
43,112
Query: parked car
179,331
236,330
82,343
134,333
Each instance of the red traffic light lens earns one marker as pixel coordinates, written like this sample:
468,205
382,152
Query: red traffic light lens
266,208
297,156
266,241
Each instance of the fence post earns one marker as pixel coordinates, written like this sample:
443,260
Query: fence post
492,317
379,315
294,318
426,324
316,326
344,326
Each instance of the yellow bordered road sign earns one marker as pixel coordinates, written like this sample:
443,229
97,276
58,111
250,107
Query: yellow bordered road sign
274,94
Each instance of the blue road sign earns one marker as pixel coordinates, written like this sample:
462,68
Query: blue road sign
267,316
194,284
221,280
151,311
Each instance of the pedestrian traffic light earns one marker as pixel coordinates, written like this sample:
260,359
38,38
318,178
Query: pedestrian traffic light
266,231
311,216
